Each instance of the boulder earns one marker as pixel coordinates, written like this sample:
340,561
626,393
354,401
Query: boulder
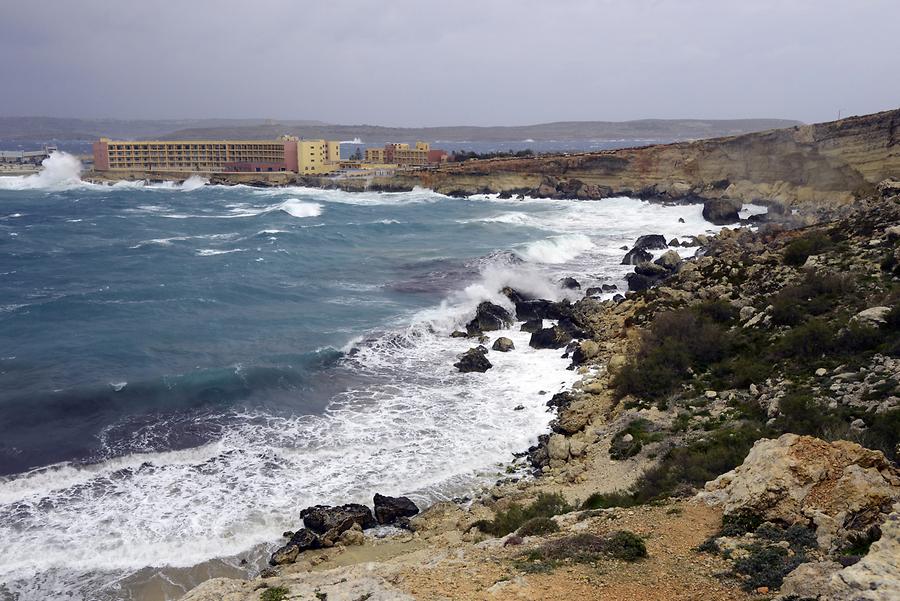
458,334
558,447
635,256
674,242
638,282
569,284
593,291
389,509
352,537
586,350
650,269
873,316
841,488
503,345
324,519
473,359
532,325
608,287
303,540
542,309
669,260
488,317
573,329
722,211
651,242
555,337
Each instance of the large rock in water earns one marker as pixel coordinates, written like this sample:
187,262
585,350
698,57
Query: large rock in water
488,316
542,309
841,488
389,509
636,256
324,519
473,359
303,540
722,211
637,282
503,344
555,337
651,242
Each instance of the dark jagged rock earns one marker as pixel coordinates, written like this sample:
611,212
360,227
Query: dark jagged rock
542,309
561,400
303,540
651,242
638,282
722,211
322,519
593,291
458,334
503,344
674,242
473,359
618,298
636,256
555,337
609,287
681,220
650,270
515,296
389,509
573,329
532,325
488,316
570,283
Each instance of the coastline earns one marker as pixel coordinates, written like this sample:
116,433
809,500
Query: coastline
576,462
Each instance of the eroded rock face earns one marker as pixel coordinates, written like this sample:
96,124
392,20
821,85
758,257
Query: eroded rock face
840,488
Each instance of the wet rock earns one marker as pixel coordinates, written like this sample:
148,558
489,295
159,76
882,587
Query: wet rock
570,283
532,325
674,242
638,282
608,287
669,260
303,540
554,337
651,270
514,295
635,256
722,211
389,509
573,329
323,519
651,242
458,334
488,317
542,309
561,400
473,359
593,291
681,220
503,345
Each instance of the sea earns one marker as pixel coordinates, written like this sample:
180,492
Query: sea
185,367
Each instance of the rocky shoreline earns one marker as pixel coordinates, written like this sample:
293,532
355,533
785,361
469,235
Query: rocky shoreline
735,431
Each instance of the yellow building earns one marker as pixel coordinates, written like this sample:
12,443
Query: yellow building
209,156
318,156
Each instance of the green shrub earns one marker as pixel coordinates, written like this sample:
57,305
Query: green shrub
588,548
815,295
800,249
515,516
607,500
275,593
801,414
883,434
766,565
720,311
858,338
807,341
538,526
639,429
677,342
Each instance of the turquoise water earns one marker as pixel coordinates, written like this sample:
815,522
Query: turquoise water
183,368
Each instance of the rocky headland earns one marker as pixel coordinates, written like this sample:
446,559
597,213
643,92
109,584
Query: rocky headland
734,433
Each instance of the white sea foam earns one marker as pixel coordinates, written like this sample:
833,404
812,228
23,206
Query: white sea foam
297,208
212,252
558,249
59,171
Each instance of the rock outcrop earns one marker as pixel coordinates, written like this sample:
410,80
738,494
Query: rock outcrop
840,488
474,359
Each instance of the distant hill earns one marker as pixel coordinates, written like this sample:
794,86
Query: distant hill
644,129
30,128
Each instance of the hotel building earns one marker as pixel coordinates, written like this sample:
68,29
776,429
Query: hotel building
308,157
403,155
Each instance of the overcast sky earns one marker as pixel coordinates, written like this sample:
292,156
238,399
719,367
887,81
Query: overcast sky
418,62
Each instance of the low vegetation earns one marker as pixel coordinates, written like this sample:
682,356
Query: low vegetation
516,516
275,593
584,548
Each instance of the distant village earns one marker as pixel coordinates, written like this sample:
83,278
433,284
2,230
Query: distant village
288,153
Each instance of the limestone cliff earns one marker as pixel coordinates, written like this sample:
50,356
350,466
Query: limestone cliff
828,164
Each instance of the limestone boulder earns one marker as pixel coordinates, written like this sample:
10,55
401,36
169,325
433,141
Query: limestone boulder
840,488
